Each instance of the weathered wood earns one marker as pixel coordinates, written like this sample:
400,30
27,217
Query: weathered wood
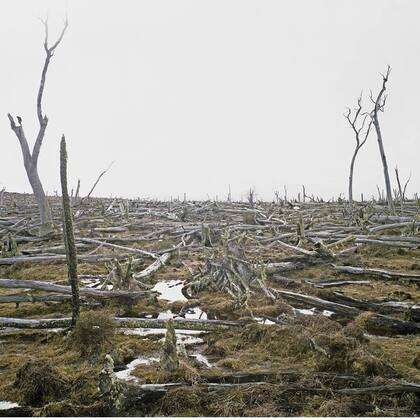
123,248
378,273
49,287
393,226
127,323
68,234
59,258
153,267
388,325
34,298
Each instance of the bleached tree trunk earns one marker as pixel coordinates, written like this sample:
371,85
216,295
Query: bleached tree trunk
357,128
30,159
379,106
353,159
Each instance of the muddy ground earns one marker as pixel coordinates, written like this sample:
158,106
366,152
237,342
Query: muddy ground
307,337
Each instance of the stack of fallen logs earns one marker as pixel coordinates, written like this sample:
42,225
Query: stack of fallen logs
308,234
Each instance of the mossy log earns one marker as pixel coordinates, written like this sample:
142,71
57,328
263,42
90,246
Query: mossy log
68,235
34,298
385,324
185,324
152,392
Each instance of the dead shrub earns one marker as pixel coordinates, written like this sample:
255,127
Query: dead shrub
93,330
39,382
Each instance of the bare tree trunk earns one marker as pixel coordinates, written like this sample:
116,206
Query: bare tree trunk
69,235
2,196
384,164
353,159
401,194
357,128
30,159
41,200
379,106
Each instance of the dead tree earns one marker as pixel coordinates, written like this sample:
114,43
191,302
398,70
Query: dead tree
360,137
2,196
30,159
69,234
379,104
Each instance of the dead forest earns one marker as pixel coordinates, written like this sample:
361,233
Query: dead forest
130,307
212,308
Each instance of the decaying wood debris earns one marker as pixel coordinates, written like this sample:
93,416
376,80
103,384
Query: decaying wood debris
299,302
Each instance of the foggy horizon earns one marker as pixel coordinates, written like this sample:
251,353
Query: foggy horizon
194,96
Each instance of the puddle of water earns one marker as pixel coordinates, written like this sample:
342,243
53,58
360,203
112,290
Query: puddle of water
166,315
6,405
263,321
202,359
304,311
170,290
186,338
312,312
195,313
125,374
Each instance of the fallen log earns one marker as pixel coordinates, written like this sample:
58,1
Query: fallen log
59,249
179,323
385,308
376,323
33,298
393,226
49,287
141,392
153,267
123,248
60,258
377,272
126,323
382,389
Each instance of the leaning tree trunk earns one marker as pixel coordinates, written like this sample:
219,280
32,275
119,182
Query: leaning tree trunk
379,106
69,235
384,163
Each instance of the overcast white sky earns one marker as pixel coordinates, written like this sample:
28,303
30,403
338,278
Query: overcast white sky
191,96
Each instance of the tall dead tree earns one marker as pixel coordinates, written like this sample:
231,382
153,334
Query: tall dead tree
68,233
30,159
357,123
379,104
